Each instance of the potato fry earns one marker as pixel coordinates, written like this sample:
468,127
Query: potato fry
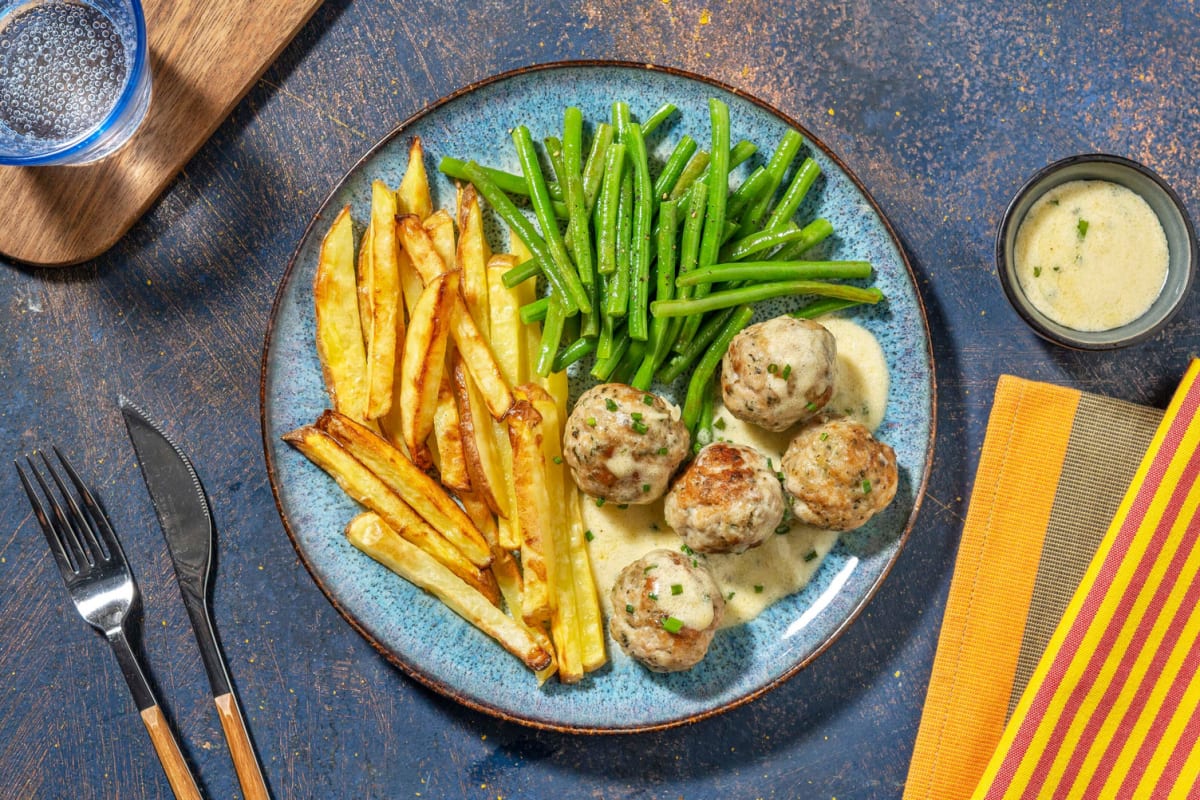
364,289
440,226
365,487
447,433
506,336
480,443
370,534
423,364
340,347
587,601
413,196
417,242
386,322
473,255
423,495
533,511
479,360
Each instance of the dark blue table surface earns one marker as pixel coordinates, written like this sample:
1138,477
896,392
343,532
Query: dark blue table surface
941,108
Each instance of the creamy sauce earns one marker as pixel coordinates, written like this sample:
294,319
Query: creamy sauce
785,563
1091,255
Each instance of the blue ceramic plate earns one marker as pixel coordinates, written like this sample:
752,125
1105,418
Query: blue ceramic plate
428,641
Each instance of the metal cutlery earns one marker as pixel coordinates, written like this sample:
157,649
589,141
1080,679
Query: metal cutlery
102,587
187,523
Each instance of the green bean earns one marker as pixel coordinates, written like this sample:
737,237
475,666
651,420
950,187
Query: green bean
508,181
765,239
552,333
785,153
579,226
761,271
629,362
823,306
761,291
607,337
691,173
702,376
607,207
643,225
573,294
748,192
535,311
593,168
658,118
794,196
815,232
521,273
509,212
689,251
616,303
605,366
704,425
718,184
682,361
674,166
554,150
741,152
659,327
572,353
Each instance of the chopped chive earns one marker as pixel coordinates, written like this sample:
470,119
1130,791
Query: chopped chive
676,588
730,595
758,588
662,451
719,423
787,370
589,535
866,486
653,597
810,555
639,427
672,625
772,368
687,550
783,528
629,608
648,399
646,571
636,415
557,459
810,406
599,502
610,404
645,488
1037,272
591,421
1082,226
824,436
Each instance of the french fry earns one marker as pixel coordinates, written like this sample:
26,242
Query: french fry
423,364
440,226
365,487
480,448
587,602
564,618
364,289
506,335
421,494
387,323
448,434
413,196
340,347
533,513
419,245
477,355
473,255
370,534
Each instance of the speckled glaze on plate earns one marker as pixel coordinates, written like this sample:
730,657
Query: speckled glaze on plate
414,630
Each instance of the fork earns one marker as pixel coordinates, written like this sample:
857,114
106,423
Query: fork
101,585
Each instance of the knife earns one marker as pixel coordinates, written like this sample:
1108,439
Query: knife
186,518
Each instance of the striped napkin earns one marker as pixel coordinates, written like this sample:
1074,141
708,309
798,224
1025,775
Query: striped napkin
1068,651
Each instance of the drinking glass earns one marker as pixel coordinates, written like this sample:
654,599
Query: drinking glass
74,79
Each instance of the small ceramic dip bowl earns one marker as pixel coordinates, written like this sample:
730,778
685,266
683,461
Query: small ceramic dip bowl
1065,286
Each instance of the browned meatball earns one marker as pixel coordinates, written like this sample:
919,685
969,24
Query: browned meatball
779,372
838,474
623,444
666,609
727,500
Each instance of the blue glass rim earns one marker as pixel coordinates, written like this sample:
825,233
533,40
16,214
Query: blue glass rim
133,80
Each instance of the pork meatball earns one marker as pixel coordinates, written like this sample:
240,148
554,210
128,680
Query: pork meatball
666,609
727,500
838,474
624,445
778,372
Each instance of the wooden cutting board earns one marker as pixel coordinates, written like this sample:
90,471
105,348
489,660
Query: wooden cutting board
204,56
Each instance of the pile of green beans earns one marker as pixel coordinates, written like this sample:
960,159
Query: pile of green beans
662,270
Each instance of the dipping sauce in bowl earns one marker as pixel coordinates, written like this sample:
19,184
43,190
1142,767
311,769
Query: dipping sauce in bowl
1096,252
1091,255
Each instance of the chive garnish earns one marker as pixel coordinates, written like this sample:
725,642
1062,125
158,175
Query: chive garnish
662,451
672,625
866,486
589,535
719,423
610,404
1082,227
591,421
758,588
810,555
639,427
599,502
648,399
676,588
787,370
645,488
629,608
557,459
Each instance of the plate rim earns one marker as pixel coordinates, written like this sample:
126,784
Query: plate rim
442,687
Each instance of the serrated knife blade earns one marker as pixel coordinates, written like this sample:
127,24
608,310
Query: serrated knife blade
185,515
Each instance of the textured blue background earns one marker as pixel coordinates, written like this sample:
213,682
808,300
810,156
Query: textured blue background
942,109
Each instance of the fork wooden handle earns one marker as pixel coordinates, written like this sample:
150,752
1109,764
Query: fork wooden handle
240,750
178,774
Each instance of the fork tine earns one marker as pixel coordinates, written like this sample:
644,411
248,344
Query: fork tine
100,527
74,522
53,538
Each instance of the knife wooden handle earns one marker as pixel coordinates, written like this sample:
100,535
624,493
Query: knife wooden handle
240,750
178,773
